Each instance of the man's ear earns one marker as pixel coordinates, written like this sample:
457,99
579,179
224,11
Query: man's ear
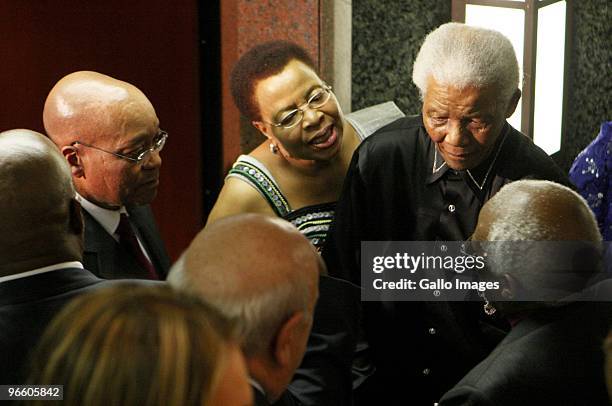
513,102
285,339
510,287
76,217
261,127
74,160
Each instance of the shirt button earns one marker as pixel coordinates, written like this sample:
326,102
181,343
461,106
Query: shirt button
451,208
432,331
426,371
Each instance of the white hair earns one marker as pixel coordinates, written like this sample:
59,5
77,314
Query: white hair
540,249
461,55
514,224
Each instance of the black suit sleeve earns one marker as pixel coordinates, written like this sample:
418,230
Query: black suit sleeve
342,249
324,377
286,399
465,396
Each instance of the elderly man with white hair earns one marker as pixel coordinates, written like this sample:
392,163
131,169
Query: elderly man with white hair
425,178
544,251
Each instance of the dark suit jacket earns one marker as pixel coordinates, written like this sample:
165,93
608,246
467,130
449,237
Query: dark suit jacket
286,399
325,375
554,358
104,257
260,398
26,307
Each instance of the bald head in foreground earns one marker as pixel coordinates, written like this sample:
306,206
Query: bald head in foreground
542,244
265,273
108,132
36,199
41,242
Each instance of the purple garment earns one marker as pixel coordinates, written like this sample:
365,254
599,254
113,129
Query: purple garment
591,173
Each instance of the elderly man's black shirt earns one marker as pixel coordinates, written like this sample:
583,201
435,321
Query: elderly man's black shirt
394,191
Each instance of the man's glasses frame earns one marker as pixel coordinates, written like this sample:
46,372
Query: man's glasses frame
310,103
158,144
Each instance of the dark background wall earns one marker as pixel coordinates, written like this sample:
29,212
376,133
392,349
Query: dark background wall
590,81
388,33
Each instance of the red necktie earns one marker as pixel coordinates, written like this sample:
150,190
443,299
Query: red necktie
127,238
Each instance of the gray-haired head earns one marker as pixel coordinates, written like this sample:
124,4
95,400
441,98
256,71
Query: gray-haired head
40,221
257,269
542,234
461,55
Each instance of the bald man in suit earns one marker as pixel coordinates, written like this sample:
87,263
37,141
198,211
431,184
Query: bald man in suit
108,132
41,242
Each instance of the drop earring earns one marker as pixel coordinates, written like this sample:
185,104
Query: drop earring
273,148
489,309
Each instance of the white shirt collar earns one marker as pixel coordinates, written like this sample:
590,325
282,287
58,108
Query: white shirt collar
257,386
54,267
108,219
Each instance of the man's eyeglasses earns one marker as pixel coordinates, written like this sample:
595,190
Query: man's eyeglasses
138,156
317,99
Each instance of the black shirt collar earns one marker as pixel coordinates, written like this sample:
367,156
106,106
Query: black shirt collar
437,166
477,177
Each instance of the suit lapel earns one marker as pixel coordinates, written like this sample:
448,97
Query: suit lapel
144,223
104,256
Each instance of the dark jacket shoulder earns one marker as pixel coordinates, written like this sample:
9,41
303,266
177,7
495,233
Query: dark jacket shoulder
105,257
524,159
407,127
539,361
392,147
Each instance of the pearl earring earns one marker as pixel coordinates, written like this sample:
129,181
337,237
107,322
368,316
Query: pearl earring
273,148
